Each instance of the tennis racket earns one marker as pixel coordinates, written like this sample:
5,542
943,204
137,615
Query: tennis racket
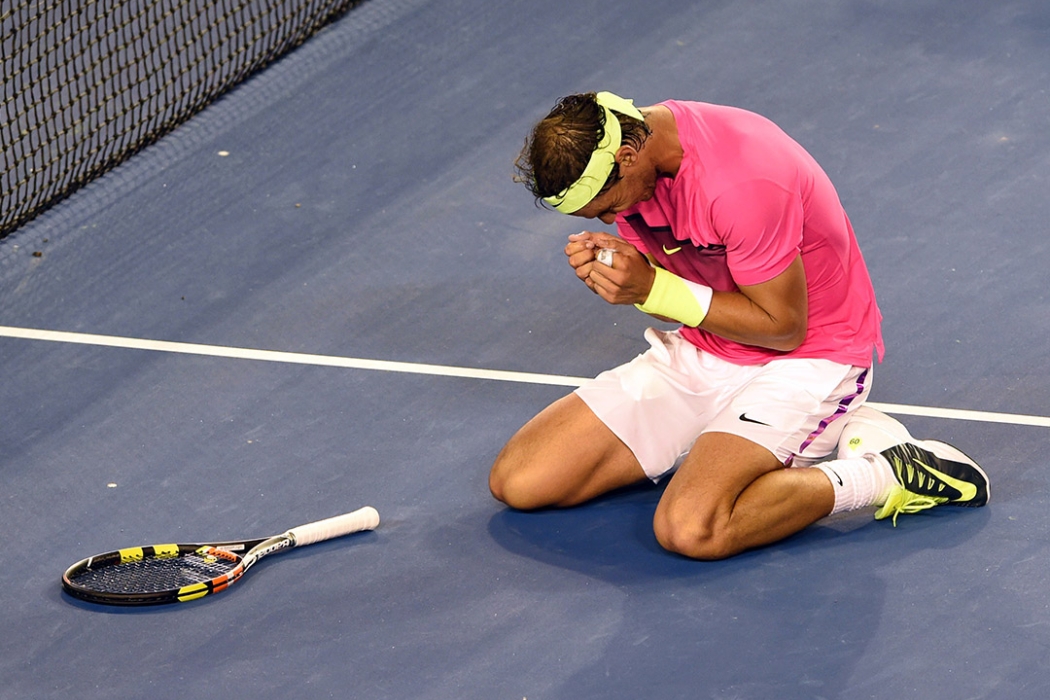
176,573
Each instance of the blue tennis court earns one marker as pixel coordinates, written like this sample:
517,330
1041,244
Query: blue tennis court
325,291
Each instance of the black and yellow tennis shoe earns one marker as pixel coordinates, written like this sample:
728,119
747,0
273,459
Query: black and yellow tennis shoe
929,472
932,473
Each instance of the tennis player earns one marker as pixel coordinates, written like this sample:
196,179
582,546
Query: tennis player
753,407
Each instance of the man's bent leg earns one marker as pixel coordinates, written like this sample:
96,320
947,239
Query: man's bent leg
731,494
562,457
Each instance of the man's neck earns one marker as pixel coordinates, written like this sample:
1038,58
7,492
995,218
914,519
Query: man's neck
666,153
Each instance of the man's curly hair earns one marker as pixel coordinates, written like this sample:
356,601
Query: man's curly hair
560,146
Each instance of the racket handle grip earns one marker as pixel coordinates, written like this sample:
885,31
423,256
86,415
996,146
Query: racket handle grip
366,518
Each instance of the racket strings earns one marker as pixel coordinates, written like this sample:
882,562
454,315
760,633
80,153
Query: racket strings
153,575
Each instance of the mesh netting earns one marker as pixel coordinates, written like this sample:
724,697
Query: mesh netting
87,83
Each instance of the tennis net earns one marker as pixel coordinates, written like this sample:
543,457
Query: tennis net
87,83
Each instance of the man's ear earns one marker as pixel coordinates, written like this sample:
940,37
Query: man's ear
626,156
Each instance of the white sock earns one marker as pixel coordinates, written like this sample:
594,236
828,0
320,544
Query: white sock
859,482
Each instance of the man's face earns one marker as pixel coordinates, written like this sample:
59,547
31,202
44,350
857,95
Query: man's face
637,184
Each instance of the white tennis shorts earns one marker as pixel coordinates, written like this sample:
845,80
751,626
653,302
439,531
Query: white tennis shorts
662,401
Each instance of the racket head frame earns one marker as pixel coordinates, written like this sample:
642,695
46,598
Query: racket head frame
229,564
235,557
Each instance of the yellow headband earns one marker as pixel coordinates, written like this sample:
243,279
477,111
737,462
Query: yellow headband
578,194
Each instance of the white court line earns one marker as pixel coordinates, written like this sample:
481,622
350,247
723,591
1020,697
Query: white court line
438,370
113,341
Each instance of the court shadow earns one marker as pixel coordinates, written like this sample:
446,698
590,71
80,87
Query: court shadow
790,620
611,538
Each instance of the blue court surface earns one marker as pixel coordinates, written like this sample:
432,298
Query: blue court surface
415,310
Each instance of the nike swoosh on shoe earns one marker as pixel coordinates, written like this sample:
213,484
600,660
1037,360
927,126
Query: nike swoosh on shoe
967,491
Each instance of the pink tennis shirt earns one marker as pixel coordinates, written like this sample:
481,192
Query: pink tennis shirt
746,200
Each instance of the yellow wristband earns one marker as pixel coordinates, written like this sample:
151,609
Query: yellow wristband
677,298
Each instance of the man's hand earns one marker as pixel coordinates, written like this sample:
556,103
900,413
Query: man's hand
627,281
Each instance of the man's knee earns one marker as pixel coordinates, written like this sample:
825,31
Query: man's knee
504,487
687,530
562,457
502,481
513,482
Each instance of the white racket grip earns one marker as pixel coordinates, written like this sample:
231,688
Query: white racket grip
366,518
